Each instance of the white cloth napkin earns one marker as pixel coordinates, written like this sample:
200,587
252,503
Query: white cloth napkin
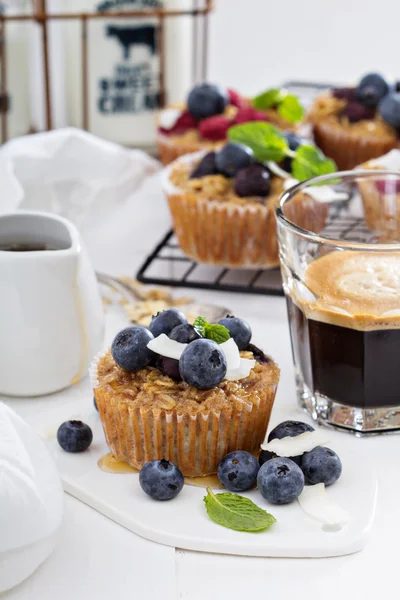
72,173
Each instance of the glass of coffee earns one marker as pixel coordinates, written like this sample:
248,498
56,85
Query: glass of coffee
342,286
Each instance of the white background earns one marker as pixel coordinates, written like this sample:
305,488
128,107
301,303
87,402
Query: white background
258,43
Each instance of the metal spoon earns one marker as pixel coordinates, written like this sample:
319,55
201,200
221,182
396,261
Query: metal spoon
211,312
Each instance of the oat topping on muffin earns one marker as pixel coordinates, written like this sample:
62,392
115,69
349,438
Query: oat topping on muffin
217,400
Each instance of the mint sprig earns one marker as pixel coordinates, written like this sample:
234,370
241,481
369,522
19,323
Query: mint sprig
212,331
269,144
268,99
237,512
310,162
287,105
264,139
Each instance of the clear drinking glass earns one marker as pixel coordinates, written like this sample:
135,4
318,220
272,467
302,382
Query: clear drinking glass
342,286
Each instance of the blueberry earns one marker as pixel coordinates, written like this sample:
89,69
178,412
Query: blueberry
258,354
203,364
170,367
205,167
266,455
344,93
289,429
355,111
389,109
74,436
239,330
184,334
280,480
165,321
371,89
233,157
238,470
129,348
294,141
161,479
95,403
206,100
321,465
253,181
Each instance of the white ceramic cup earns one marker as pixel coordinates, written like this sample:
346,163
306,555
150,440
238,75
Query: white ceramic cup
51,313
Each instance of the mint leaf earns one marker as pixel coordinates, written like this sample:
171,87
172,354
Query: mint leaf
216,332
311,162
263,138
268,99
237,512
290,109
200,324
212,331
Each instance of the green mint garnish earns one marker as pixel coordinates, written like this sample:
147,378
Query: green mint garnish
268,99
237,512
310,162
287,105
212,331
200,326
290,109
269,144
263,138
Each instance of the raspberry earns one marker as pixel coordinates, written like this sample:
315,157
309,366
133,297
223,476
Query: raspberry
215,128
235,98
184,122
248,113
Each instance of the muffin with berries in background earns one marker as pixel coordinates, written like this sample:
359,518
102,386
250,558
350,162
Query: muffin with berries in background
222,201
210,110
354,124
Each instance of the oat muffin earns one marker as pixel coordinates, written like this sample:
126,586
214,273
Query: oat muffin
381,197
230,221
203,121
192,410
355,124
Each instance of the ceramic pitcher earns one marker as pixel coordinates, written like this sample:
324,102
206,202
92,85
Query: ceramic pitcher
51,313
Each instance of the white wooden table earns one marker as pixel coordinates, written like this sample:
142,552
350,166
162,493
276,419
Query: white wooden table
97,559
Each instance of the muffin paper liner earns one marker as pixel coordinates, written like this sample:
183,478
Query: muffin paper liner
381,211
349,150
195,442
232,235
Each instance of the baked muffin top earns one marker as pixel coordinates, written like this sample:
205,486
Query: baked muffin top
150,388
174,365
370,109
210,110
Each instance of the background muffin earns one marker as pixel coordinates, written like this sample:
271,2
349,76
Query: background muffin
228,219
354,124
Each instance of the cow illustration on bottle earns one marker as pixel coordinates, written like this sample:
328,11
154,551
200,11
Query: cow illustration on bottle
129,37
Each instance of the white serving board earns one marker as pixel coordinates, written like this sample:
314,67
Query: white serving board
183,522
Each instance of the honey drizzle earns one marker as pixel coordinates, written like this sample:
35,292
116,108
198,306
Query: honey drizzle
109,464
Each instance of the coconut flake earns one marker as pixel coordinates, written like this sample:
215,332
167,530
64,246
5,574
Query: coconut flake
231,351
322,193
169,117
389,161
317,503
242,371
295,446
164,346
